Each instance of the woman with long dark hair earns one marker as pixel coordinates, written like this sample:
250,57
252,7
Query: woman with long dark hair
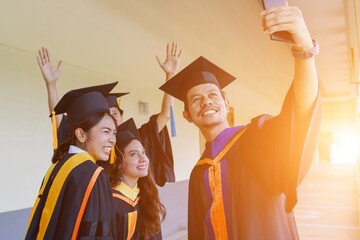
136,199
75,198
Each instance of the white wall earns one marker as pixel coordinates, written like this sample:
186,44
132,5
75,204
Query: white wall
106,40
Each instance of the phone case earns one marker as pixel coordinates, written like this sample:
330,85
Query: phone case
282,36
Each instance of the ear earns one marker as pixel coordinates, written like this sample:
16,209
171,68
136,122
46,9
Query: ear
187,116
227,104
80,135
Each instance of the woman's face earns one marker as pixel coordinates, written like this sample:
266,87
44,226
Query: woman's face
101,138
135,162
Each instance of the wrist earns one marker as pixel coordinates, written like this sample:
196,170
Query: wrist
51,85
305,51
169,75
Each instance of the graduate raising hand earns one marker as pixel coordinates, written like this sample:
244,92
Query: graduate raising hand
50,74
290,19
170,67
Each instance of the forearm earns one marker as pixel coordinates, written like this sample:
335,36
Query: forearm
164,114
53,100
305,80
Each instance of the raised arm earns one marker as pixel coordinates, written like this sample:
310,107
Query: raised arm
170,66
51,75
305,83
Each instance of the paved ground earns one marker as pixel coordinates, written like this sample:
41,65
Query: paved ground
328,206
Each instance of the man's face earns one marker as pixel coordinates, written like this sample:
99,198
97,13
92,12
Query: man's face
114,111
206,106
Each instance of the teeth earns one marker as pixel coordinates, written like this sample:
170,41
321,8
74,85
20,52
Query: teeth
107,149
142,167
209,112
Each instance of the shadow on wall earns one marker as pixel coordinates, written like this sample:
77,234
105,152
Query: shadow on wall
174,196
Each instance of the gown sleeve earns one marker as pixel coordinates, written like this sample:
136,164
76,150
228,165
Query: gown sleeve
280,149
158,148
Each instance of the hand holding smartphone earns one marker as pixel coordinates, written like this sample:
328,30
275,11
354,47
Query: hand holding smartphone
282,36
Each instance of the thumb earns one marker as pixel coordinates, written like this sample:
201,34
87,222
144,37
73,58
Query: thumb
158,60
59,64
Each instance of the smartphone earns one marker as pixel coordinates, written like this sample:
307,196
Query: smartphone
282,36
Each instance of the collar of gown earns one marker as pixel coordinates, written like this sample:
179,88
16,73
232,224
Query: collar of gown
214,147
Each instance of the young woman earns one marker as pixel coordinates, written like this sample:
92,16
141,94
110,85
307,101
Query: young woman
75,198
136,199
154,133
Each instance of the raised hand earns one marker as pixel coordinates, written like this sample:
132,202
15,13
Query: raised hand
49,72
172,61
290,19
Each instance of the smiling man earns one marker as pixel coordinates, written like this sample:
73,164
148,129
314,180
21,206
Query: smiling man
244,185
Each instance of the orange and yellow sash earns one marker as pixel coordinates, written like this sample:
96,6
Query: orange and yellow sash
56,188
132,216
217,212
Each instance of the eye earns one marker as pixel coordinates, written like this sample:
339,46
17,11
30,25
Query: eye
213,94
195,99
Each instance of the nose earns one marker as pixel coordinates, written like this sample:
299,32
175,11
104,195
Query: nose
143,157
112,139
206,101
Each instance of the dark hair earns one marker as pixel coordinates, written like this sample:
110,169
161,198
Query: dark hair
121,111
88,123
150,206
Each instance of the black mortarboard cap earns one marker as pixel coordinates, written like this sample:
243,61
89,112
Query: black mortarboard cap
80,103
198,72
125,132
112,99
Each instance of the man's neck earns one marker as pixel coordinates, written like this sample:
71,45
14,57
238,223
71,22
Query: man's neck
211,132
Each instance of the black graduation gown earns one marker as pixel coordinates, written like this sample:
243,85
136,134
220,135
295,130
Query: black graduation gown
259,177
125,210
97,222
157,146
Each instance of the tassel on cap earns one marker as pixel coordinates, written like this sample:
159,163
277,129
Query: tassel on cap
172,122
54,130
112,155
119,102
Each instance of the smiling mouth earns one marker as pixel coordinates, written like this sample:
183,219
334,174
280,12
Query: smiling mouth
107,149
142,167
209,112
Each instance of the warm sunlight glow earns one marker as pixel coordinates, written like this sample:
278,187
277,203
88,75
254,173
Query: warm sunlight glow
345,147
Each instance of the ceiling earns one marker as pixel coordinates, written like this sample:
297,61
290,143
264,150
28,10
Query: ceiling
336,26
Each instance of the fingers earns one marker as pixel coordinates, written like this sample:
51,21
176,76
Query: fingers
281,19
173,49
43,56
180,51
175,52
46,55
168,50
38,58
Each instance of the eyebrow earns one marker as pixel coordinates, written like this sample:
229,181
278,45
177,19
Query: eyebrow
207,92
108,128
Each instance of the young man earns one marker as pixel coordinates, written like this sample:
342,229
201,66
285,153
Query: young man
244,185
154,133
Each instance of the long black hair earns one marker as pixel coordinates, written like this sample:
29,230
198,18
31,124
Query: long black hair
150,206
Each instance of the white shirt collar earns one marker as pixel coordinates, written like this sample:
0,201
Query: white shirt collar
75,149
